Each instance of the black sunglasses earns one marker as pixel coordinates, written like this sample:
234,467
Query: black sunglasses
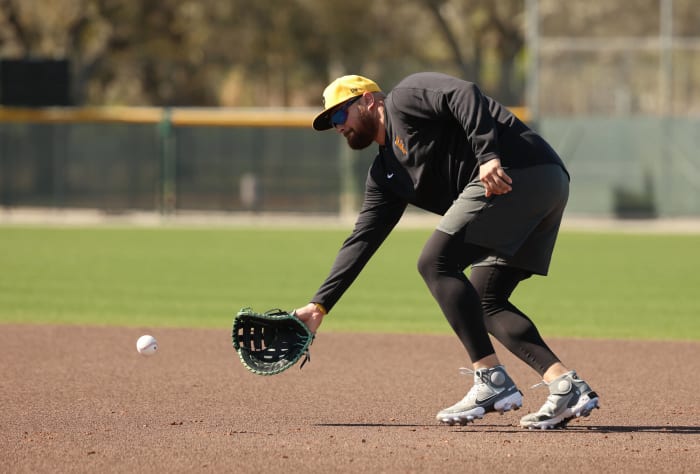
341,115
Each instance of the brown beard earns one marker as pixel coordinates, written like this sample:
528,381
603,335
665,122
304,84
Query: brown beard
362,136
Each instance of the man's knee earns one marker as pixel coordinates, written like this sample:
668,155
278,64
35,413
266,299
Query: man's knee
495,284
433,253
427,266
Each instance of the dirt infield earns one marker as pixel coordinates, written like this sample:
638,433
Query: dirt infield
78,399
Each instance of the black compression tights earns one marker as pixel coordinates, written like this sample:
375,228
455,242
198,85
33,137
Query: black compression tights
480,305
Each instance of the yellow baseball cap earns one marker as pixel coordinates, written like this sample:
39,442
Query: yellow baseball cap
339,91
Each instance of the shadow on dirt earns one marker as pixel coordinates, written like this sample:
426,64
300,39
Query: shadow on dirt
500,428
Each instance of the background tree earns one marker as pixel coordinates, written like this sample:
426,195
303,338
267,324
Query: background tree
274,53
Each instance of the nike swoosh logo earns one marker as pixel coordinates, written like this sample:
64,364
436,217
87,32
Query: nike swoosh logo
487,399
495,395
389,175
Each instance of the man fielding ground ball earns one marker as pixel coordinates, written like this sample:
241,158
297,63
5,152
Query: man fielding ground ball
447,148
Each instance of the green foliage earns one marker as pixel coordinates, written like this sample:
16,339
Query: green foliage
600,285
260,53
283,53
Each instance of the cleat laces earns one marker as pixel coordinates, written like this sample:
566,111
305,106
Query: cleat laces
550,404
480,378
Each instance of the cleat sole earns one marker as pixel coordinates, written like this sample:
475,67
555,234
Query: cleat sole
561,423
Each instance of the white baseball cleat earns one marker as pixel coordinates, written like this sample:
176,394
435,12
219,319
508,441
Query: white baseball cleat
493,390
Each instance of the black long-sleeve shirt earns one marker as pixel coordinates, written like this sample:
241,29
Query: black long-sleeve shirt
439,130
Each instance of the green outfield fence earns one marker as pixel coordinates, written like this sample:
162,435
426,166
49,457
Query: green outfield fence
120,159
270,160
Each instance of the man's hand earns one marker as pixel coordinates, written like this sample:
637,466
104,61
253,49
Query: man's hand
311,316
494,178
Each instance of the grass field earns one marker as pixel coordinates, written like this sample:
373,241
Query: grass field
600,285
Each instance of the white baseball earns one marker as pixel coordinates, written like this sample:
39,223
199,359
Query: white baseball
147,345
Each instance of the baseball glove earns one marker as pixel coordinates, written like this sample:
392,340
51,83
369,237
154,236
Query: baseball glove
271,342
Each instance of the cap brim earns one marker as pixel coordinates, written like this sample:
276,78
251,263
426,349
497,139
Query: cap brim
323,120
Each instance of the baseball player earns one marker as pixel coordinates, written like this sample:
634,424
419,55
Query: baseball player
447,148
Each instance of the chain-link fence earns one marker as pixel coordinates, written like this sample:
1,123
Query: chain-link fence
167,166
625,167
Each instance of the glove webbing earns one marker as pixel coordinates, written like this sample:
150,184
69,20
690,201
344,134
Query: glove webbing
261,341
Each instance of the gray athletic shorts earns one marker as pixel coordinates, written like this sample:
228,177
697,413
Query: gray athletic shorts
521,226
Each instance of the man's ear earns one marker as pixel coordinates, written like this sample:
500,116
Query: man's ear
369,100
